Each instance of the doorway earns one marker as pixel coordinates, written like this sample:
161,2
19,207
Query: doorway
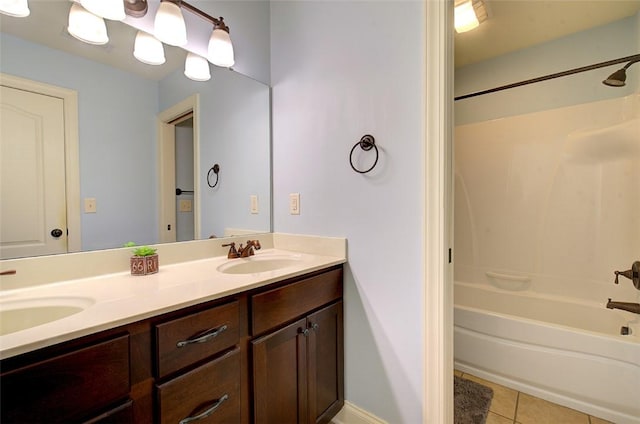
179,188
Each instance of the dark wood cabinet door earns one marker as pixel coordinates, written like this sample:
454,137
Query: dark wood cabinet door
280,376
326,363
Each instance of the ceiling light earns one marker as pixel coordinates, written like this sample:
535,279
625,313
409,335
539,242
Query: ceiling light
86,26
17,8
196,68
169,26
220,50
108,9
465,18
148,49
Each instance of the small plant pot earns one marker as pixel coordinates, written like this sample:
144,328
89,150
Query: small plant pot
143,265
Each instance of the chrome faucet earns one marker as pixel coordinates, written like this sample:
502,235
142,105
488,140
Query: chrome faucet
248,250
625,306
632,274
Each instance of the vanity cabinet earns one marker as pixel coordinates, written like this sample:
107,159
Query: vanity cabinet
298,365
273,354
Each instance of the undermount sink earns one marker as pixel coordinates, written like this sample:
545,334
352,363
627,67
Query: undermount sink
257,264
23,314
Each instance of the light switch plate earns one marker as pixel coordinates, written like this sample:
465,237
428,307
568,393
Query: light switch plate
294,203
90,205
185,205
254,203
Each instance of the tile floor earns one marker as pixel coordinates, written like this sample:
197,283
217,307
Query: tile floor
510,406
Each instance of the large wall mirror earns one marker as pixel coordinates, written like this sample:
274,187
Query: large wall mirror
120,102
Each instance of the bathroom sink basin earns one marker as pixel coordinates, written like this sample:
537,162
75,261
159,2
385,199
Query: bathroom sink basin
23,314
257,264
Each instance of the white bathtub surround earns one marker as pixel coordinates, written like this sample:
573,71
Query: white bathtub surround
117,298
545,210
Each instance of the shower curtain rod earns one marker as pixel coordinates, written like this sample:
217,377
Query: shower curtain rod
634,58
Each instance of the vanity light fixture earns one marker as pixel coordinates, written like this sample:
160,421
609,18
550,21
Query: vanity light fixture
87,27
196,68
220,50
16,8
468,14
148,49
107,9
169,25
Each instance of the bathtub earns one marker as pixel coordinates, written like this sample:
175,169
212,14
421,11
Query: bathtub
566,351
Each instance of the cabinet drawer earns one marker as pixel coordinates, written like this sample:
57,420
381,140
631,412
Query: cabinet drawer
283,304
187,340
68,387
213,388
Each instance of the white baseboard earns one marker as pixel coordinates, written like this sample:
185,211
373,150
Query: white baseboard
351,414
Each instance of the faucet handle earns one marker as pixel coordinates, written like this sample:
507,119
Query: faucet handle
632,274
233,253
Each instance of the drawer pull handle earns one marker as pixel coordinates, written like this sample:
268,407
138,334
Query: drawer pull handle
206,413
204,338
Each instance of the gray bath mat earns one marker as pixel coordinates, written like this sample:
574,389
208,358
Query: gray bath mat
470,401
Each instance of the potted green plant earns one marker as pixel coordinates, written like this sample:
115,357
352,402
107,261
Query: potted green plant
144,260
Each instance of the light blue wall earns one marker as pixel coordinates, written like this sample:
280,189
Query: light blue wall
117,113
607,42
341,70
234,132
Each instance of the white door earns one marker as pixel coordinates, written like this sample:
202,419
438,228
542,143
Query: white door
33,219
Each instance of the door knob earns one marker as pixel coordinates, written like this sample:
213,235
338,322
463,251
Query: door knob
56,232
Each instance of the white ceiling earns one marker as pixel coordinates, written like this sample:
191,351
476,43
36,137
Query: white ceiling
516,24
512,25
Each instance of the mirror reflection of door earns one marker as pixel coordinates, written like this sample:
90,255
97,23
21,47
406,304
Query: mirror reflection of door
33,168
184,178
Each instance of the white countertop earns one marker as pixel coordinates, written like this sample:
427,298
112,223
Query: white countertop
120,298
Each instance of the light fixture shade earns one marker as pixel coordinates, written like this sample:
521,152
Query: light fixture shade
17,8
196,68
465,18
108,9
220,49
148,49
169,26
86,26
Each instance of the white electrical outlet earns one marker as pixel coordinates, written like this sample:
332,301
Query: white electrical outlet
254,203
90,205
186,205
294,203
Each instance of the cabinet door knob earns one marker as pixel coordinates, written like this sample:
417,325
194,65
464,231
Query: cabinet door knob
315,326
206,413
211,334
305,332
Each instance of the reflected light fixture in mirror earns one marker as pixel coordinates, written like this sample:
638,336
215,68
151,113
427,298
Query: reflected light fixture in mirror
17,8
196,68
107,9
87,27
148,49
169,25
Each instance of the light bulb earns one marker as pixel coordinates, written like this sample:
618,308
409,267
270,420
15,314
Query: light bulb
86,26
465,18
196,68
220,51
169,26
17,8
148,49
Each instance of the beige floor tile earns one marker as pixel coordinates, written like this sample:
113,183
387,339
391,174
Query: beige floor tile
532,410
457,373
493,418
596,420
504,399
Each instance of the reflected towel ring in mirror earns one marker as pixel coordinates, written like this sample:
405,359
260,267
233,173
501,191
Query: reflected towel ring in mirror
367,142
215,169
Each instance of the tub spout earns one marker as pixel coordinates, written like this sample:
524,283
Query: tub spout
625,306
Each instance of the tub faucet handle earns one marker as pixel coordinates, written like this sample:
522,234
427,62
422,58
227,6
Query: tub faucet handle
632,274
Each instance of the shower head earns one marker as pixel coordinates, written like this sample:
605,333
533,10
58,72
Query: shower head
618,78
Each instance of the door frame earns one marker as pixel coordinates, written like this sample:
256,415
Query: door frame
438,220
166,133
71,149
